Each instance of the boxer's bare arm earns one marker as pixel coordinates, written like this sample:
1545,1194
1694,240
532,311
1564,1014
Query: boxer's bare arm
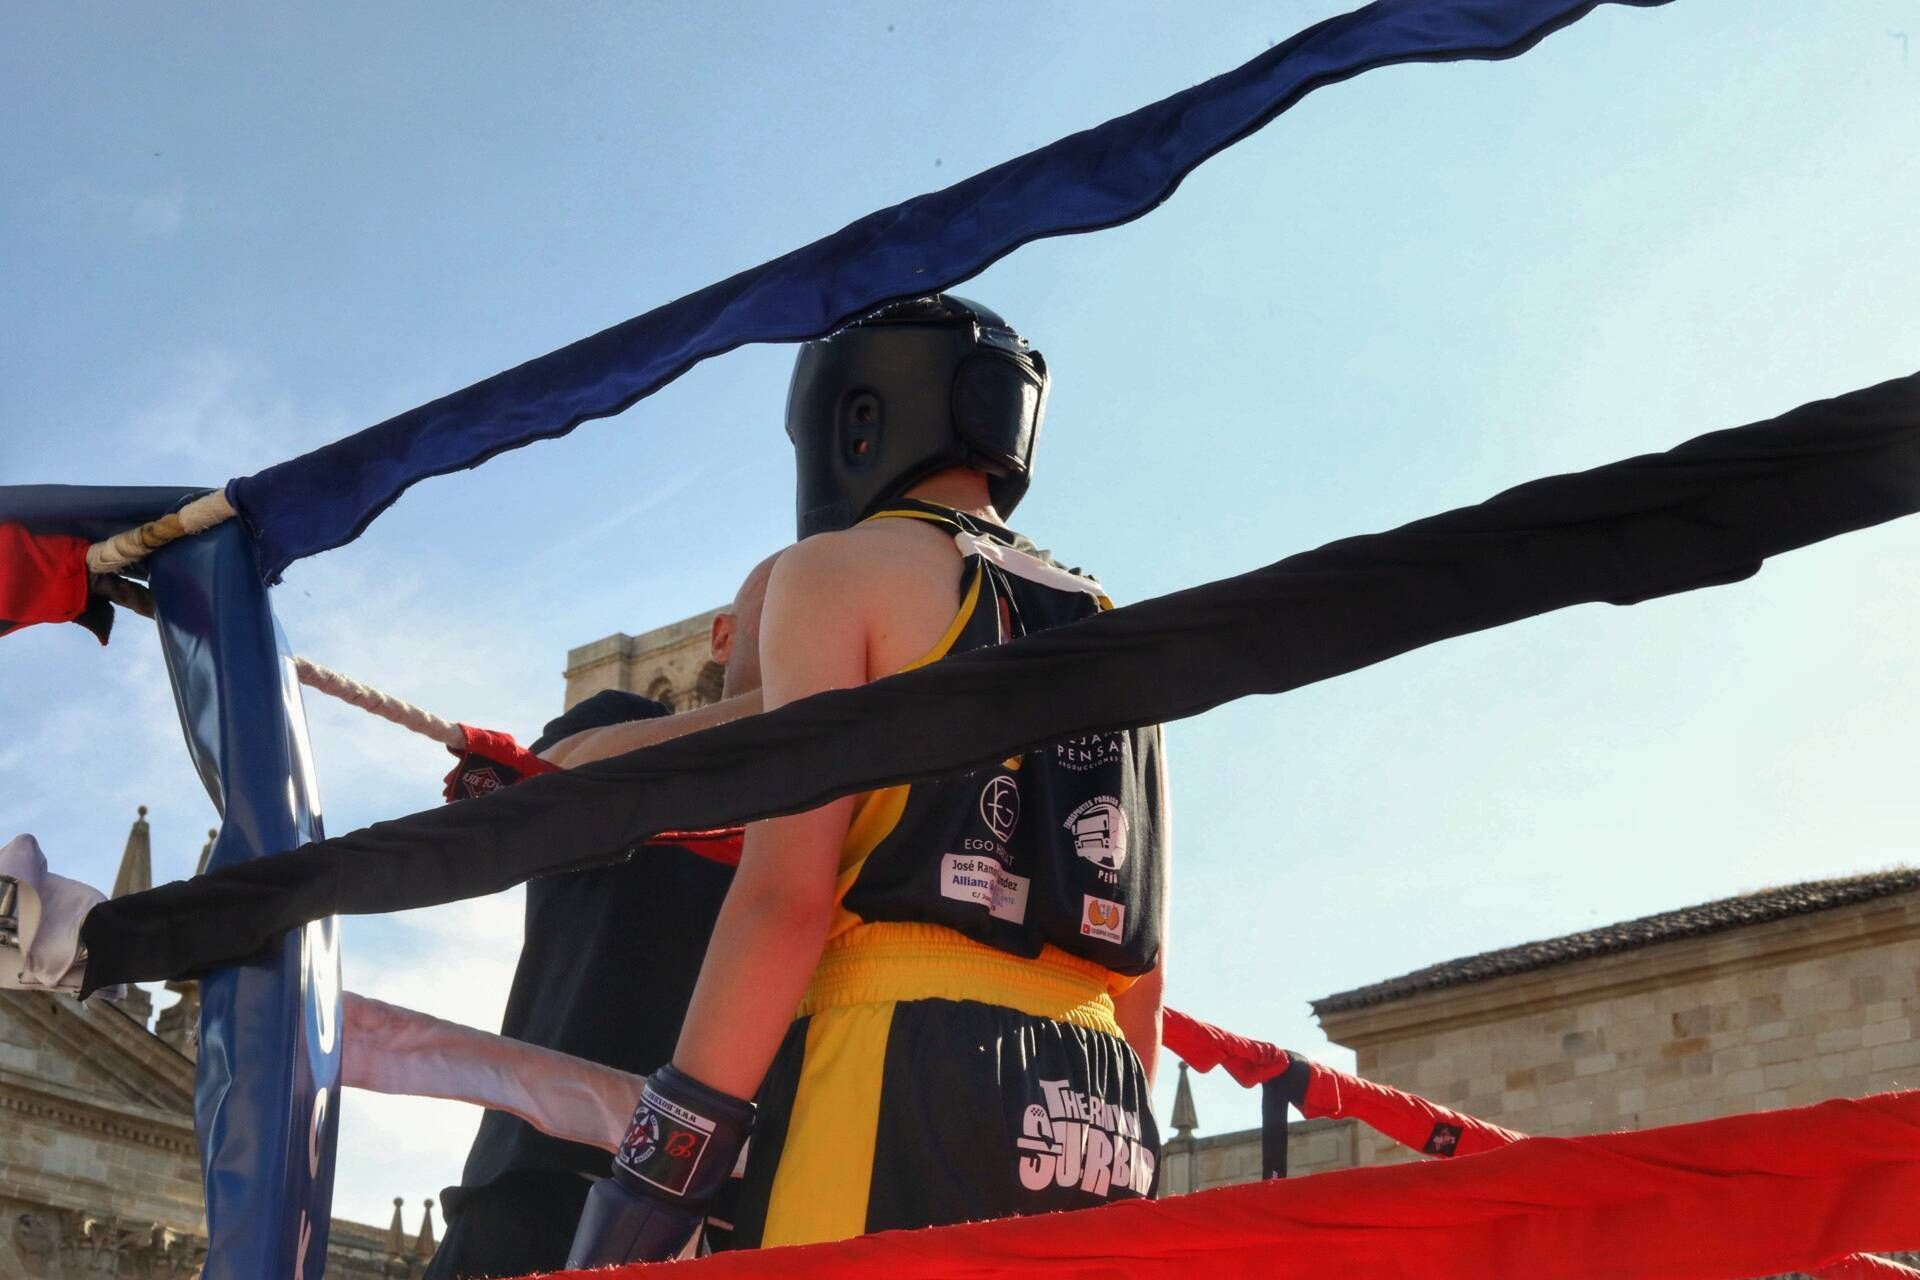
774,922
1140,1010
617,739
842,609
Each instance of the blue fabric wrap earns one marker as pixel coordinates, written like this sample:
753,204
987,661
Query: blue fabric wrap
92,512
266,1099
1097,178
266,1104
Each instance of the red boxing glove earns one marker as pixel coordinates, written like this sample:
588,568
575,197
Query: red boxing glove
491,760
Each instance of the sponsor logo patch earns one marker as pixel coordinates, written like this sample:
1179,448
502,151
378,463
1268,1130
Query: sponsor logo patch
1090,752
1000,806
1068,1138
1102,919
1099,828
983,882
643,1137
664,1143
1444,1140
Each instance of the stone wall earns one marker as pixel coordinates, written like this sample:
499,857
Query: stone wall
1777,1014
95,1118
669,663
98,1171
1780,1014
1227,1159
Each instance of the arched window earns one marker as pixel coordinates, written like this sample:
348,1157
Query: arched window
707,688
661,691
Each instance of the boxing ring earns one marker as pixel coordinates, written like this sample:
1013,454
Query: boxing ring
261,928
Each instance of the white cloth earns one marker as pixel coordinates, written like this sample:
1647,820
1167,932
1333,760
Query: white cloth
385,1048
1032,568
49,910
388,1049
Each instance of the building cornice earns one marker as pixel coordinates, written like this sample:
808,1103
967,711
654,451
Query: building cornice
72,1109
99,1033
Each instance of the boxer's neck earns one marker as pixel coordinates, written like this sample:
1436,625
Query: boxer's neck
961,488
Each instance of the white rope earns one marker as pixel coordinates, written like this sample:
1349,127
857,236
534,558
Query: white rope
384,705
129,594
123,549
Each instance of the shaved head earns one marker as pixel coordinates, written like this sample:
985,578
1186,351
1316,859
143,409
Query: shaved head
735,641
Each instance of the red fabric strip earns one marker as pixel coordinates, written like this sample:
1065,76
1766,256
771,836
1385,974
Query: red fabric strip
501,748
1203,1046
43,577
1728,1199
721,844
1410,1121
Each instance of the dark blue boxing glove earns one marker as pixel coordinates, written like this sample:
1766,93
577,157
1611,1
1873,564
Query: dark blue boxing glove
678,1153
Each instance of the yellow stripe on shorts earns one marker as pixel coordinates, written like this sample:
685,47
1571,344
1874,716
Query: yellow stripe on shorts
826,1163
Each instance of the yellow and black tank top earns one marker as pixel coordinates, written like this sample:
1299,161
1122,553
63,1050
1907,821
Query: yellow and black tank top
1064,847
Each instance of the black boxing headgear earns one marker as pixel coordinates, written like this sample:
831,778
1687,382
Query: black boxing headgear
917,387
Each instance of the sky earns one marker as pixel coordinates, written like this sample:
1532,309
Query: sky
232,232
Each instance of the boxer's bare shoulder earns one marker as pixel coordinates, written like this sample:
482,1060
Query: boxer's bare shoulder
894,583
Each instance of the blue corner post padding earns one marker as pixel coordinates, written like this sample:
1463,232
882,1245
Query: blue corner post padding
267,1101
266,1105
1098,178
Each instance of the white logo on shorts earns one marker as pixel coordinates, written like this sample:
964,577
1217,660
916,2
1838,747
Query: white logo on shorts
1081,1139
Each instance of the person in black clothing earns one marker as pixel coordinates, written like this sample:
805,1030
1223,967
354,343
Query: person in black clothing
605,973
935,1001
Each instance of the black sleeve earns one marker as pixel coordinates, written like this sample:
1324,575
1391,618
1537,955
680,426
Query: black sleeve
609,706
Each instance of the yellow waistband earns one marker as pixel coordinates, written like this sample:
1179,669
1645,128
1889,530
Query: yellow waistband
878,963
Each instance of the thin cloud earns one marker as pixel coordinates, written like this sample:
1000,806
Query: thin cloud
158,215
224,412
684,481
113,745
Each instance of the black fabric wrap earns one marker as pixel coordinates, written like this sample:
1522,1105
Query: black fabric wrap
1706,513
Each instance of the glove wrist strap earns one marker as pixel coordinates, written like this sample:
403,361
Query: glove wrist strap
684,1138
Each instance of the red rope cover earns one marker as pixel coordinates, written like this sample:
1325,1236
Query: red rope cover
1724,1199
1410,1121
43,577
1203,1046
502,748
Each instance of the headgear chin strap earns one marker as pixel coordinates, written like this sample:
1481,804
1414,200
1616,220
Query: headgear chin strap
915,388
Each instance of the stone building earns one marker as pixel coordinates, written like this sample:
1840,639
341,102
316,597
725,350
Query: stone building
669,664
98,1171
1777,998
